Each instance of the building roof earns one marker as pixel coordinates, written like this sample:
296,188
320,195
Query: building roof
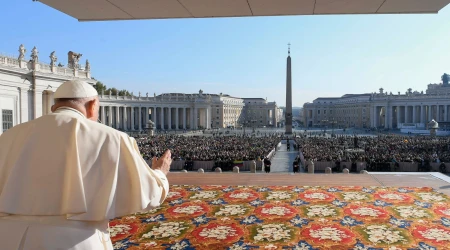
96,10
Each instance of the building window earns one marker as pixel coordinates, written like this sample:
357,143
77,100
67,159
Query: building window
7,119
318,112
324,112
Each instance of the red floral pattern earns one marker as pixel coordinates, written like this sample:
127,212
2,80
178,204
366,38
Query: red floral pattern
366,212
394,197
329,235
317,196
289,217
435,235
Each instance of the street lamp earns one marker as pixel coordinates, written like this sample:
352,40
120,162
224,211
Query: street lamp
324,122
332,126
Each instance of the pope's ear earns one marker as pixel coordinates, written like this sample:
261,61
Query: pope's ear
91,107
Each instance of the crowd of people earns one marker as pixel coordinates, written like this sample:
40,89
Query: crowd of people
202,148
379,149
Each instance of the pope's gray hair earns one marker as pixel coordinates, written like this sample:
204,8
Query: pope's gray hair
75,101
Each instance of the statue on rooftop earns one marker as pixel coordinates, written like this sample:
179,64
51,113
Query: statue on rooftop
74,59
154,94
87,66
34,55
22,52
53,59
139,93
146,94
445,79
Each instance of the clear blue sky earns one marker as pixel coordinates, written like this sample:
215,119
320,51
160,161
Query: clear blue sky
244,57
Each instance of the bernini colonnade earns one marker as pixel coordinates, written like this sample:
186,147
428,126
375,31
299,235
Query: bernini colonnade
133,113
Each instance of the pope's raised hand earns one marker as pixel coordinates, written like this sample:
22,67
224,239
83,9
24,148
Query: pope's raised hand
163,163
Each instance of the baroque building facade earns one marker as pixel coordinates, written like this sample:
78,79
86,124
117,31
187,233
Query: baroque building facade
27,87
384,110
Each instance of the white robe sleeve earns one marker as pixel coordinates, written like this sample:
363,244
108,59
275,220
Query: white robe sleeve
148,187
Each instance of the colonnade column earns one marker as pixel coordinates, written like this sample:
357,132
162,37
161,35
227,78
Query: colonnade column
184,118
162,117
207,125
195,118
110,116
169,118
398,116
132,118
102,111
125,119
406,114
386,117
430,107
445,113
176,118
140,118
117,117
414,120
191,118
154,116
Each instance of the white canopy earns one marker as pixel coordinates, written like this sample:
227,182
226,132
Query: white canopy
96,10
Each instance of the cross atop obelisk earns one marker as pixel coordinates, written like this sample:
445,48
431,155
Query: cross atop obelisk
288,113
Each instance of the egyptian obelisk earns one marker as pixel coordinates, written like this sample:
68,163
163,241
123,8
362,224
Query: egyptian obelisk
288,113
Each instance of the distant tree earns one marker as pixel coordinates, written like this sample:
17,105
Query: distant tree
124,92
99,86
112,91
445,78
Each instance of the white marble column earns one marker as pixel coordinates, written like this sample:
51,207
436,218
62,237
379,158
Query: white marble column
195,118
430,116
110,116
162,118
154,116
125,118
191,118
169,118
102,111
140,118
184,118
132,118
414,120
398,116
445,113
177,114
406,114
145,117
386,117
117,117
422,113
24,112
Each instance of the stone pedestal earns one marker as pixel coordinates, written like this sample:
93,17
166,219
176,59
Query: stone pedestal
345,171
328,170
23,64
253,167
235,169
184,171
311,167
218,170
433,132
200,170
364,172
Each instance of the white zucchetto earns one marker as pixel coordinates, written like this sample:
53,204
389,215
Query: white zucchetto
75,89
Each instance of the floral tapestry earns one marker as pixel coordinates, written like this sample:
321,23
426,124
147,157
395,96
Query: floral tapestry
289,217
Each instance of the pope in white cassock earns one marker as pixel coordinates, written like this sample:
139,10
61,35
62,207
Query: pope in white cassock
63,176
